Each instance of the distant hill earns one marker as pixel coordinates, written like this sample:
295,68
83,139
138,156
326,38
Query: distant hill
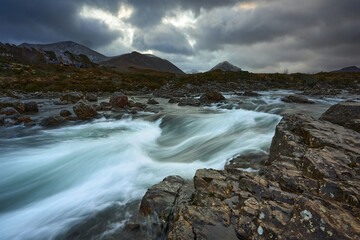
142,61
66,51
347,70
226,66
13,53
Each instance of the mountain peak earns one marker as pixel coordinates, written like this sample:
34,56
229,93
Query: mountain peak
226,66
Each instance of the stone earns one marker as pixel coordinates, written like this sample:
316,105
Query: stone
212,96
52,121
84,111
250,94
9,111
71,97
10,102
296,99
152,101
65,113
91,97
119,101
346,114
31,107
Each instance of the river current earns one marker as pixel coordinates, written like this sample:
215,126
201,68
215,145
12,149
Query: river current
97,172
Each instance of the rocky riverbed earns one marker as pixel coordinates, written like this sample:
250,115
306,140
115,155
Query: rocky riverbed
90,160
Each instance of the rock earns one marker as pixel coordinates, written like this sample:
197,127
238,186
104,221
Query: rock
296,99
247,160
9,111
346,114
91,97
137,105
173,100
10,102
250,94
31,107
65,113
105,106
84,111
212,96
118,101
189,102
308,189
152,101
71,97
52,121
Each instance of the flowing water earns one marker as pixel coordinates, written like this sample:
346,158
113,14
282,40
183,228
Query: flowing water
52,180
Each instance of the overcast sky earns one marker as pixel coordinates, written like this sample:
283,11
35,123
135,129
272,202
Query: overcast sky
259,35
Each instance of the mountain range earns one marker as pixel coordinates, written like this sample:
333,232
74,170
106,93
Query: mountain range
347,70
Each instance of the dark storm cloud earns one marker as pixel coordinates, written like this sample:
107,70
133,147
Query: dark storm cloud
165,38
44,21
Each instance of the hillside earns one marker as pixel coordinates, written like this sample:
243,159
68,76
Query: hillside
347,70
142,61
60,51
226,66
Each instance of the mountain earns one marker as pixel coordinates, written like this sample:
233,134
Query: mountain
13,53
142,61
66,51
347,70
226,66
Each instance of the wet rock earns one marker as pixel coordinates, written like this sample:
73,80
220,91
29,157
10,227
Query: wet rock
31,107
71,97
105,106
119,100
10,102
173,100
152,101
250,94
212,96
252,160
296,99
91,97
189,102
9,111
65,113
84,111
308,189
346,114
52,121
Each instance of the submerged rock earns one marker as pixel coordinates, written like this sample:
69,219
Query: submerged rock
152,101
296,99
71,97
65,113
346,114
9,111
52,121
31,107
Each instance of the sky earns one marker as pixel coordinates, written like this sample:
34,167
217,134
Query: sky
259,35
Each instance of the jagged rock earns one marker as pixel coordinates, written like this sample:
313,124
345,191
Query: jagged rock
119,100
52,121
91,97
296,99
309,189
212,96
71,97
65,113
84,111
346,114
9,111
152,101
31,107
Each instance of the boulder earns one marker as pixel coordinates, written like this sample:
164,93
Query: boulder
173,100
65,113
9,111
52,121
296,99
31,107
212,96
119,100
84,111
152,101
91,97
346,114
71,97
189,102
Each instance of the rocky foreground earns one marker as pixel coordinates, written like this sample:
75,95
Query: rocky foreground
309,188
